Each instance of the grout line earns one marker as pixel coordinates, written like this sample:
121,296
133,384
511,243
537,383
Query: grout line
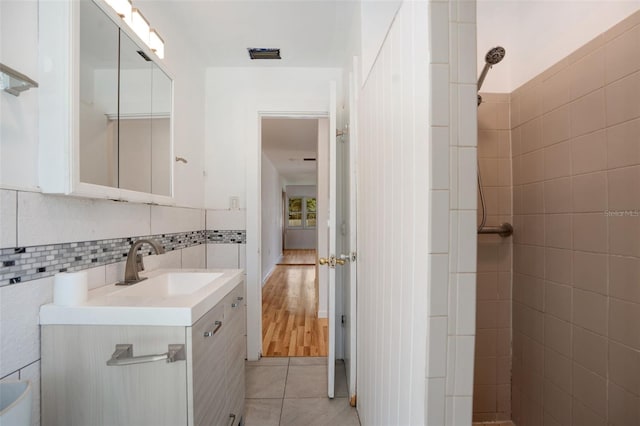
284,391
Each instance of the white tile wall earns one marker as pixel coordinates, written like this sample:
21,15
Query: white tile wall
438,284
47,219
226,219
223,255
114,272
19,329
466,306
168,220
439,222
171,259
437,357
439,147
32,373
194,257
8,209
463,383
435,401
96,277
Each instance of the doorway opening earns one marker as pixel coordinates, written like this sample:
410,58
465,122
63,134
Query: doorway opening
292,320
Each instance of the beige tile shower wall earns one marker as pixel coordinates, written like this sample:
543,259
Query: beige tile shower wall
492,375
576,284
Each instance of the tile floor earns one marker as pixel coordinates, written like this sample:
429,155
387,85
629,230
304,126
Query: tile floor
293,392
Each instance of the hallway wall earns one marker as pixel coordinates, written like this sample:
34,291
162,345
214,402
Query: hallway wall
576,299
272,220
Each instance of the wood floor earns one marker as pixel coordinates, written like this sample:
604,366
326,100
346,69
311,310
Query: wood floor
290,326
298,257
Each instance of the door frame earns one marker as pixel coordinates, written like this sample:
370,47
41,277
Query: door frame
254,227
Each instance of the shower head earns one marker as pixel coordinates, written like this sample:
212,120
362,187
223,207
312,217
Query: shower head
492,57
495,55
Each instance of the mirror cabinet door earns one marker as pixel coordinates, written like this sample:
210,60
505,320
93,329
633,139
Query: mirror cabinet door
161,155
98,107
125,110
134,142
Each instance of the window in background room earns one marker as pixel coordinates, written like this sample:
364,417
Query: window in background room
301,212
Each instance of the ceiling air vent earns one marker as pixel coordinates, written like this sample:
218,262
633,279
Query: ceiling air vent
262,53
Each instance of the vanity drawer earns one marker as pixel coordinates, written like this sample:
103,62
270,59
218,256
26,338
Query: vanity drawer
209,368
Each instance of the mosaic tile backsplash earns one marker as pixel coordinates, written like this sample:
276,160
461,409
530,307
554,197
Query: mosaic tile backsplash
22,264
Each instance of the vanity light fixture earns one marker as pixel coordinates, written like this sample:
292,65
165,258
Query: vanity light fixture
122,8
156,43
140,25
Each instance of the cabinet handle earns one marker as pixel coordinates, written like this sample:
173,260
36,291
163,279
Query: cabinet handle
210,333
123,355
232,419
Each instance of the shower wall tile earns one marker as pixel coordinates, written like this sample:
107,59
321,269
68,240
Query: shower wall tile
622,99
582,368
557,161
590,232
623,189
590,389
556,126
590,350
624,367
531,136
587,114
558,300
623,148
589,193
589,153
624,276
587,74
557,196
555,91
619,63
590,271
623,320
623,406
583,416
590,311
492,320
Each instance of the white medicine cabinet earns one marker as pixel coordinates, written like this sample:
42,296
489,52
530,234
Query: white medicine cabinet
105,107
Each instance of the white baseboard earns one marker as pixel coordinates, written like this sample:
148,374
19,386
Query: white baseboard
266,277
322,314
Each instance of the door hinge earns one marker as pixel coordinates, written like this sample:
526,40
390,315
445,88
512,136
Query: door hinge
343,320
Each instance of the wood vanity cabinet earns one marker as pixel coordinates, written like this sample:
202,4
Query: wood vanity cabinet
207,388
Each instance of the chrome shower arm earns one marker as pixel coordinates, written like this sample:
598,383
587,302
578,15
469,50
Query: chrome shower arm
483,75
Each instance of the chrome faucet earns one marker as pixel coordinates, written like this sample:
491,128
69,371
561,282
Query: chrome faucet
134,261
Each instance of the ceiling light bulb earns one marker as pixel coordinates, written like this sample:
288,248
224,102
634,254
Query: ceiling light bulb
156,43
122,8
140,25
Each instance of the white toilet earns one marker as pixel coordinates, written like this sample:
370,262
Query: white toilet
15,403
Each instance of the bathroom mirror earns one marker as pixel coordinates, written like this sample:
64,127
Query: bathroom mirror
125,109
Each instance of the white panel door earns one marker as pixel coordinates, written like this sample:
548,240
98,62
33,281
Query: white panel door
350,286
331,353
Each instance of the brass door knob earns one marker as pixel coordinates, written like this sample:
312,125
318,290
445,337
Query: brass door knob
323,261
340,261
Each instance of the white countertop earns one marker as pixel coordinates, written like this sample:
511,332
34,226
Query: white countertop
109,305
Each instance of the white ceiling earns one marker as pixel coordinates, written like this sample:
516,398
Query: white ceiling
309,33
286,142
538,34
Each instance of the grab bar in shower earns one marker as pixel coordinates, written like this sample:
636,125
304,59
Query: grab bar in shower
504,230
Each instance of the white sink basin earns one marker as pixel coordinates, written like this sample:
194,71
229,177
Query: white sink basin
166,297
169,284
